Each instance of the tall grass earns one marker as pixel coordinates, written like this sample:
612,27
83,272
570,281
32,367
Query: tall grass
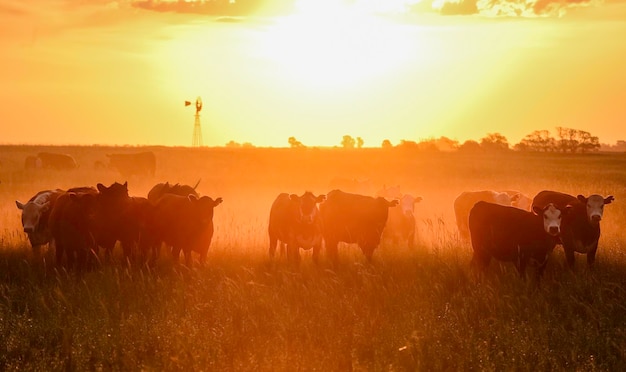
420,309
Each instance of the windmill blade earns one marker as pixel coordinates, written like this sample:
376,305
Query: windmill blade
187,103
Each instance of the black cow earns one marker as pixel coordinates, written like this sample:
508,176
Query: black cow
136,164
295,222
50,160
161,189
511,234
581,227
354,218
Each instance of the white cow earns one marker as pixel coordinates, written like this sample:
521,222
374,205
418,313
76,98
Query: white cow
35,215
466,200
519,200
400,224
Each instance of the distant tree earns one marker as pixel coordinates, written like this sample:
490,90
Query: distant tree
386,144
539,140
494,142
447,144
408,145
359,142
566,139
587,142
233,144
294,143
247,145
470,146
348,142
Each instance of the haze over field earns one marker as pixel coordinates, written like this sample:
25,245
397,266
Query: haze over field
118,72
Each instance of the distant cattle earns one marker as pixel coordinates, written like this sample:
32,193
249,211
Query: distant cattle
71,226
353,218
581,227
35,214
136,164
510,234
50,160
295,222
161,189
185,223
466,200
400,225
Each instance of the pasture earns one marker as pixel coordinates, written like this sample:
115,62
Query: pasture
418,309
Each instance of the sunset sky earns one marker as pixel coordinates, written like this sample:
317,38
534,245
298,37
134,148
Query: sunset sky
118,72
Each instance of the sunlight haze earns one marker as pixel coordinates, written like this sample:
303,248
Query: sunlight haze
116,73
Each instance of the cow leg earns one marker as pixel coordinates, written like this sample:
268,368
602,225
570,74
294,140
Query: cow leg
316,253
273,243
176,253
331,251
591,255
293,254
569,257
283,249
59,251
188,260
368,251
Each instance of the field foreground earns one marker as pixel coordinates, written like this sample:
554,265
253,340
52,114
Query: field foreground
420,309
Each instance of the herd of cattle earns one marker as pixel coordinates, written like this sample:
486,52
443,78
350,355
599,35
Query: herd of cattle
131,164
506,226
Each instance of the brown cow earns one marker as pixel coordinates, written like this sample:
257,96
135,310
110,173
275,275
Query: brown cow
161,189
295,222
185,223
71,222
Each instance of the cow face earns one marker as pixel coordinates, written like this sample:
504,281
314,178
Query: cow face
407,204
203,208
595,206
115,191
31,214
552,217
307,206
85,203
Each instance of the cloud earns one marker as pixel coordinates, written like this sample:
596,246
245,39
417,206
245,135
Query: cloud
508,8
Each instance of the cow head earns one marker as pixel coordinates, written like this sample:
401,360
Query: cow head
552,217
595,206
31,214
503,198
115,191
407,204
86,203
204,207
307,206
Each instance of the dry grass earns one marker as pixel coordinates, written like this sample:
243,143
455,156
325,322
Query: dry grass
408,310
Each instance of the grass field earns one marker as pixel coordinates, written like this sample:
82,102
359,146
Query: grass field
418,309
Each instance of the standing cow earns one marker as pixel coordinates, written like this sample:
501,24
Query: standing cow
185,223
161,189
136,164
71,224
513,235
51,160
295,222
581,227
466,200
401,221
35,214
354,218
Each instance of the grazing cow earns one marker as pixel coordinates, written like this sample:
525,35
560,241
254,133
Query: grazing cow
353,218
35,214
185,223
466,200
71,226
401,221
51,160
511,234
581,227
295,222
520,200
137,164
161,189
32,162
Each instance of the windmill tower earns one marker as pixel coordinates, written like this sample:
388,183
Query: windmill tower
196,141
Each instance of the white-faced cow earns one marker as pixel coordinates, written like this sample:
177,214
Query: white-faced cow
295,222
400,225
466,200
581,227
35,214
511,234
185,223
353,218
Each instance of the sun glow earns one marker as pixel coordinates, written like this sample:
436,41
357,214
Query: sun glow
326,43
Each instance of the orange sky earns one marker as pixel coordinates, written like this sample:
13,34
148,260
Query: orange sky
111,73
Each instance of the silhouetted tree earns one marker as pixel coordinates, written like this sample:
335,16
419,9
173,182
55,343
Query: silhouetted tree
539,140
587,142
348,142
233,144
359,142
294,143
494,142
408,145
386,144
470,146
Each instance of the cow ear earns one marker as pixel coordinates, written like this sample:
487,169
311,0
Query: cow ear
101,187
320,198
537,209
192,197
609,199
294,197
393,203
418,199
217,202
19,205
582,198
73,196
126,184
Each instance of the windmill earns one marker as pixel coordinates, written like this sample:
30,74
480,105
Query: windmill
196,141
